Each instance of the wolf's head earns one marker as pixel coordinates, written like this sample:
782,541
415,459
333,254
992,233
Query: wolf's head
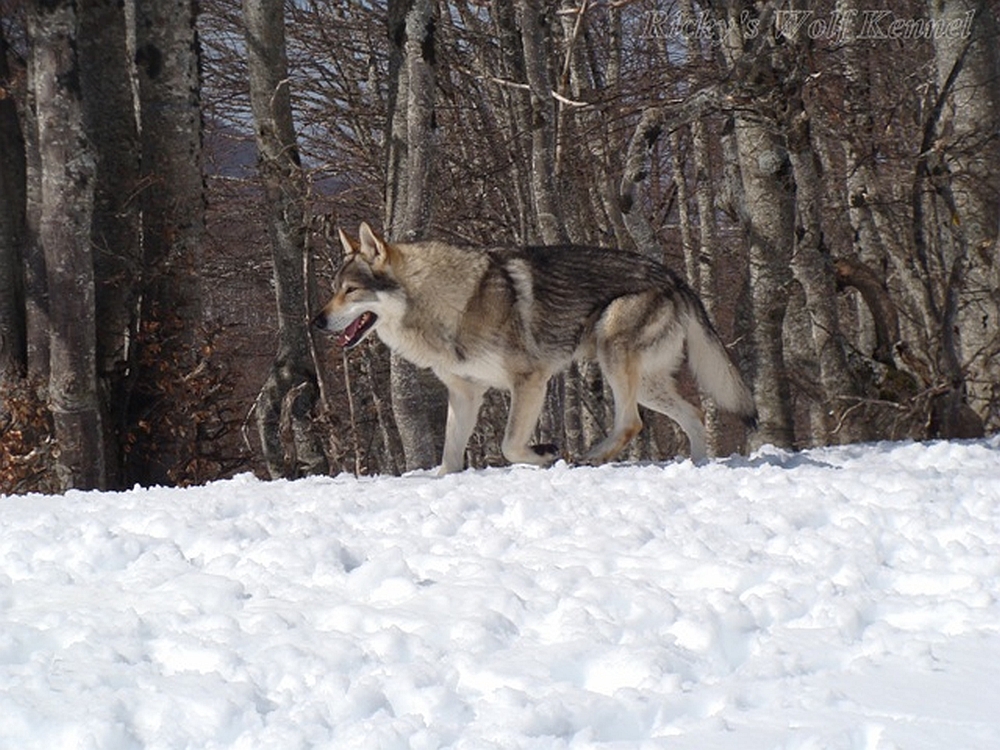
364,289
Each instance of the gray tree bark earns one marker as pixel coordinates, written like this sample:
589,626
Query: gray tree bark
678,161
291,393
518,101
419,401
637,155
67,170
173,229
965,179
769,218
705,266
13,217
106,79
599,198
36,297
864,194
534,28
812,267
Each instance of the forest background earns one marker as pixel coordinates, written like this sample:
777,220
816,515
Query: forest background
172,174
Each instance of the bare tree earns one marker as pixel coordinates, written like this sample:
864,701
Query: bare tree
106,80
13,207
812,264
533,21
418,400
173,227
291,393
865,205
956,179
66,178
36,296
769,217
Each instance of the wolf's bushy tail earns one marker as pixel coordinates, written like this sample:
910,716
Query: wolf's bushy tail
714,371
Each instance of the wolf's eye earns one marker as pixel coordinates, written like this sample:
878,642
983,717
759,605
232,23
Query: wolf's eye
348,290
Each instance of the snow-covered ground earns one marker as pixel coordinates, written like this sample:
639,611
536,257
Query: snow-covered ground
837,598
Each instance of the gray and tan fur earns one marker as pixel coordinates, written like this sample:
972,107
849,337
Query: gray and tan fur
512,317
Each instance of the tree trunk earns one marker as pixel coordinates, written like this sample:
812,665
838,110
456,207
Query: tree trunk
850,272
292,384
173,229
67,196
768,215
534,29
106,78
864,202
707,242
419,401
941,203
518,101
637,166
36,297
770,221
395,149
13,208
678,162
970,151
595,192
812,268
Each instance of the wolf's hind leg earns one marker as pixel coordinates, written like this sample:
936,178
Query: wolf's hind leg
464,399
660,395
526,400
623,378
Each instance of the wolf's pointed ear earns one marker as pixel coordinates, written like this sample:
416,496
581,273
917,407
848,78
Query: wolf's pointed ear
373,247
350,246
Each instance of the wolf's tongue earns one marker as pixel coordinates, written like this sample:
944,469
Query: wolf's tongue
352,334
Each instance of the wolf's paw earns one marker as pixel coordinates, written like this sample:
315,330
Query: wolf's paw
591,459
533,455
547,452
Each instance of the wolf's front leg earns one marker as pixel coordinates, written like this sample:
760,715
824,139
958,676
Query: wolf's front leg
464,400
526,400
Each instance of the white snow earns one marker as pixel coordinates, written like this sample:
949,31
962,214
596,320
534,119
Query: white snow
844,598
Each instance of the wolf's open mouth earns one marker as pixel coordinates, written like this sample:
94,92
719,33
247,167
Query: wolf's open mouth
352,335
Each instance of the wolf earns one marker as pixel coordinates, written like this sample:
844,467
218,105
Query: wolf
511,317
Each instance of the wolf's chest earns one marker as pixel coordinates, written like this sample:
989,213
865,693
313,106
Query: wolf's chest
446,356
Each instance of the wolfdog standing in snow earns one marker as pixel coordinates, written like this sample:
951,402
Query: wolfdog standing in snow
512,317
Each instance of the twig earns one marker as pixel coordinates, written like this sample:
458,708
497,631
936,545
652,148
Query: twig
351,414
